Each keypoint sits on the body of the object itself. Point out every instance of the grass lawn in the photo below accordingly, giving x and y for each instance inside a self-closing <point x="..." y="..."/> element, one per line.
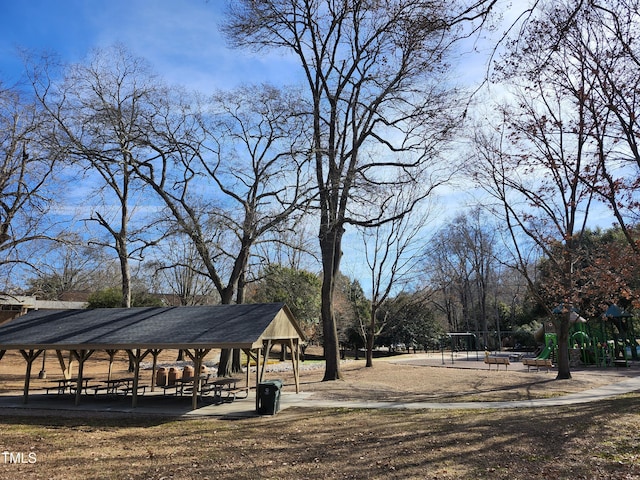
<point x="590" y="441"/>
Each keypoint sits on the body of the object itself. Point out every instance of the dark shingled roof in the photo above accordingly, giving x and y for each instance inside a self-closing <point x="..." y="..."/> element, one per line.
<point x="218" y="326"/>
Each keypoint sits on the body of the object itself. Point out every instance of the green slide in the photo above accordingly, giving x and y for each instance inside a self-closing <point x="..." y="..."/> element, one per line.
<point x="544" y="354"/>
<point x="550" y="340"/>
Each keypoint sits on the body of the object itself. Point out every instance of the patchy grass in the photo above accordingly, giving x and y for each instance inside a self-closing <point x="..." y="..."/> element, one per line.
<point x="600" y="440"/>
<point x="591" y="441"/>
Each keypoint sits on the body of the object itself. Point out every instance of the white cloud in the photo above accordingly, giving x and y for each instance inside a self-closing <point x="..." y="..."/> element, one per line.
<point x="183" y="44"/>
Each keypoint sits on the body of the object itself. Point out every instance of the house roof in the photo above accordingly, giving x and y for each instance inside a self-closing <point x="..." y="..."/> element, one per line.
<point x="217" y="326"/>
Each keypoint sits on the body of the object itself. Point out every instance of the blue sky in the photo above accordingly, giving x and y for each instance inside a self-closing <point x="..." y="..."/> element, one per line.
<point x="179" y="38"/>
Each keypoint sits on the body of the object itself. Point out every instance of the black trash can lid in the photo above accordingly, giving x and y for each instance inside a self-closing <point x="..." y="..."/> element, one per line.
<point x="272" y="383"/>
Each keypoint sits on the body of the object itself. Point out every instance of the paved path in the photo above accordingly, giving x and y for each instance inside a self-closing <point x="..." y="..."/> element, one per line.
<point x="593" y="395"/>
<point x="46" y="404"/>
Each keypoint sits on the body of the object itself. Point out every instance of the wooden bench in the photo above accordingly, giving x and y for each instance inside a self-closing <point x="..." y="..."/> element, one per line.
<point x="127" y="390"/>
<point x="620" y="363"/>
<point x="58" y="389"/>
<point x="232" y="393"/>
<point x="102" y="388"/>
<point x="537" y="362"/>
<point x="497" y="361"/>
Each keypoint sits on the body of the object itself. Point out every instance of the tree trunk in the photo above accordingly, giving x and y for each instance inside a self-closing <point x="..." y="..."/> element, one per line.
<point x="330" y="246"/>
<point x="330" y="338"/>
<point x="370" y="341"/>
<point x="564" y="372"/>
<point x="371" y="336"/>
<point x="224" y="365"/>
<point x="236" y="361"/>
<point x="126" y="280"/>
<point x="122" y="246"/>
<point x="230" y="359"/>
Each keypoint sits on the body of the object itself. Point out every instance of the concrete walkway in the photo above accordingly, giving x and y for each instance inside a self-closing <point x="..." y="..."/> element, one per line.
<point x="48" y="405"/>
<point x="593" y="395"/>
<point x="158" y="405"/>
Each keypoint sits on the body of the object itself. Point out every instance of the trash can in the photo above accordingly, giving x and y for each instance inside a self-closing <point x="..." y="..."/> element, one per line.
<point x="174" y="374"/>
<point x="269" y="397"/>
<point x="187" y="373"/>
<point x="161" y="377"/>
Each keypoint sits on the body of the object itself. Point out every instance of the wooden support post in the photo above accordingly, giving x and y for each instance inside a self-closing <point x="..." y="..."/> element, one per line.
<point x="265" y="360"/>
<point x="251" y="355"/>
<point x="258" y="378"/>
<point x="197" y="357"/>
<point x="112" y="354"/>
<point x="66" y="370"/>
<point x="154" y="369"/>
<point x="136" y="372"/>
<point x="247" y="352"/>
<point x="136" y="358"/>
<point x="2" y="352"/>
<point x="295" y="357"/>
<point x="197" y="362"/>
<point x="82" y="356"/>
<point x="29" y="357"/>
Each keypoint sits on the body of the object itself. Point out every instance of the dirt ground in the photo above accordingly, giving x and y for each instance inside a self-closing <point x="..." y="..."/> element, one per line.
<point x="599" y="440"/>
<point x="417" y="378"/>
<point x="405" y="377"/>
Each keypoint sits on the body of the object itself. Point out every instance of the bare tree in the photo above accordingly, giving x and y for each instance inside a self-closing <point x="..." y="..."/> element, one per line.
<point x="535" y="164"/>
<point x="228" y="173"/>
<point x="180" y="272"/>
<point x="391" y="255"/>
<point x="292" y="245"/>
<point x="373" y="72"/>
<point x="97" y="109"/>
<point x="460" y="262"/>
<point x="604" y="38"/>
<point x="599" y="37"/>
<point x="547" y="211"/>
<point x="579" y="62"/>
<point x="257" y="163"/>
<point x="69" y="267"/>
<point x="27" y="166"/>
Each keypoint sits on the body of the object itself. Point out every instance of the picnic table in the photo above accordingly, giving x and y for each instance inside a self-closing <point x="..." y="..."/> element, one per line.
<point x="185" y="385"/>
<point x="111" y="386"/>
<point x="220" y="389"/>
<point x="223" y="388"/>
<point x="61" y="386"/>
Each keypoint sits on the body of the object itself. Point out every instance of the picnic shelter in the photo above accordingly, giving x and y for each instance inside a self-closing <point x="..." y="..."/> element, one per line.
<point x="252" y="328"/>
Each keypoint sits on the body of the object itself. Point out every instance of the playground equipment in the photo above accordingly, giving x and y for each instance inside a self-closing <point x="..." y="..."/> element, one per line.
<point x="470" y="341"/>
<point x="606" y="341"/>
<point x="550" y="346"/>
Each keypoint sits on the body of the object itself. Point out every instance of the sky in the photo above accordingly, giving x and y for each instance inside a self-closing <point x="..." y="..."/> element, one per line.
<point x="179" y="38"/>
